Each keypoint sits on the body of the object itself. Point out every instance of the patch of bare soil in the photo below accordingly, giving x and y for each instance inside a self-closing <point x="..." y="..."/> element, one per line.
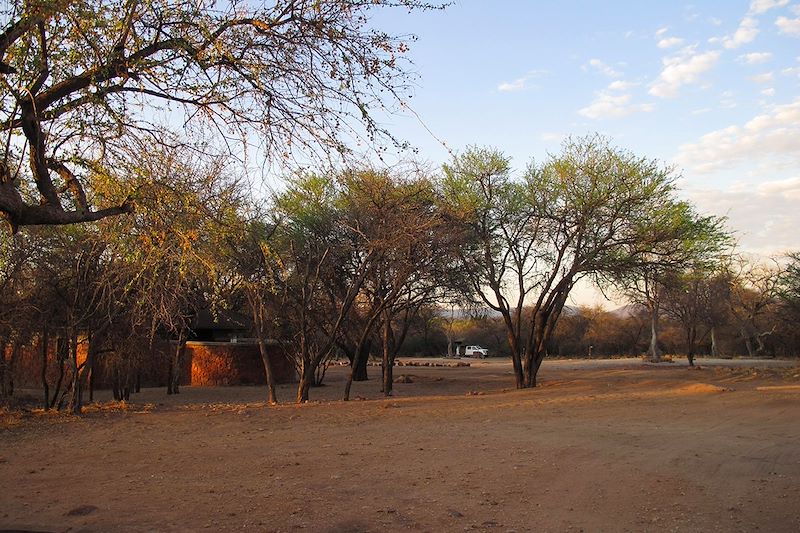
<point x="600" y="447"/>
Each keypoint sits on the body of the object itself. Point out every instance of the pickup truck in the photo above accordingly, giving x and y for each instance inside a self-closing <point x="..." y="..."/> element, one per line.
<point x="475" y="351"/>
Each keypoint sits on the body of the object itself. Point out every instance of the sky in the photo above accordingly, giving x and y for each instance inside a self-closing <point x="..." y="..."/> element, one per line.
<point x="710" y="87"/>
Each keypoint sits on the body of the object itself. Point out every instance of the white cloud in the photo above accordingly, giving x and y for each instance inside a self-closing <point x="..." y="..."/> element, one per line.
<point x="682" y="69"/>
<point x="755" y="58"/>
<point x="603" y="68"/>
<point x="787" y="25"/>
<point x="762" y="6"/>
<point x="771" y="139"/>
<point x="620" y="85"/>
<point x="768" y="92"/>
<point x="766" y="77"/>
<point x="520" y="84"/>
<point x="608" y="104"/>
<point x="511" y="86"/>
<point x="669" y="42"/>
<point x="745" y="33"/>
<point x="764" y="217"/>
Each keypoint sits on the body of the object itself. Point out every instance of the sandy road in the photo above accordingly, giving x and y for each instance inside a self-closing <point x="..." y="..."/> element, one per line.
<point x="617" y="448"/>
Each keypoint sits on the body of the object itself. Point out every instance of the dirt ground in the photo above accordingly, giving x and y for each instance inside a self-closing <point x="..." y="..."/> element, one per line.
<point x="614" y="445"/>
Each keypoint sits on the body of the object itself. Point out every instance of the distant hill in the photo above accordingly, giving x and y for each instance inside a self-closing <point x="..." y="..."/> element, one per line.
<point x="486" y="312"/>
<point x="629" y="311"/>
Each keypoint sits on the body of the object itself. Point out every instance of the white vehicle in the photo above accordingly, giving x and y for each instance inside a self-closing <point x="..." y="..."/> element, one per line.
<point x="476" y="351"/>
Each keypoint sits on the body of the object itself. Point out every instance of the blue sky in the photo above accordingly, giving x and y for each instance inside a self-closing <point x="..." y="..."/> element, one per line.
<point x="710" y="87"/>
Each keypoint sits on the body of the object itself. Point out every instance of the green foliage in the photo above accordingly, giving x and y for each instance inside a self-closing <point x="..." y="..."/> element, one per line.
<point x="592" y="210"/>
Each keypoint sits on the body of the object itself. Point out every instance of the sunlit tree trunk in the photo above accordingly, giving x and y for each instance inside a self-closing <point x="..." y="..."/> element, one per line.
<point x="715" y="352"/>
<point x="654" y="350"/>
<point x="306" y="379"/>
<point x="272" y="398"/>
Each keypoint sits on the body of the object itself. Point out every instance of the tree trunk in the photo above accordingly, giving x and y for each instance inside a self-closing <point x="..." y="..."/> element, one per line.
<point x="537" y="364"/>
<point x="714" y="343"/>
<point x="388" y="364"/>
<point x="7" y="366"/>
<point x="74" y="374"/>
<point x="272" y="398"/>
<point x="80" y="373"/>
<point x="450" y="344"/>
<point x="91" y="379"/>
<point x="361" y="362"/>
<point x="519" y="370"/>
<point x="516" y="356"/>
<point x="535" y="349"/>
<point x="175" y="365"/>
<point x="62" y="351"/>
<point x="654" y="350"/>
<point x="306" y="378"/>
<point x="116" y="385"/>
<point x="44" y="341"/>
<point x="748" y="342"/>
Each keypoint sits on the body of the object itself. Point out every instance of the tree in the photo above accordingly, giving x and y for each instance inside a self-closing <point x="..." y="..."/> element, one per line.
<point x="696" y="298"/>
<point x="788" y="308"/>
<point x="321" y="271"/>
<point x="167" y="255"/>
<point x="754" y="293"/>
<point x="688" y="242"/>
<point x="500" y="231"/>
<point x="60" y="294"/>
<point x="592" y="211"/>
<point x="18" y="293"/>
<point x="78" y="76"/>
<point x="253" y="272"/>
<point x="410" y="246"/>
<point x="789" y="286"/>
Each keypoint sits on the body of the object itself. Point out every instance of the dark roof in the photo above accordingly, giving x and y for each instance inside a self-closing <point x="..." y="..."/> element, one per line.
<point x="221" y="320"/>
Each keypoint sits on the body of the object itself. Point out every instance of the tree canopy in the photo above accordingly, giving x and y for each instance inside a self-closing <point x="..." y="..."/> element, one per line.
<point x="78" y="76"/>
<point x="593" y="211"/>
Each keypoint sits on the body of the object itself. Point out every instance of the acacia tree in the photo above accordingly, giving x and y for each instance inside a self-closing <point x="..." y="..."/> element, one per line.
<point x="167" y="254"/>
<point x="18" y="294"/>
<point x="683" y="301"/>
<point x="315" y="250"/>
<point x="788" y="293"/>
<point x="252" y="274"/>
<point x="592" y="211"/>
<point x="500" y="232"/>
<point x="410" y="244"/>
<point x="62" y="298"/>
<point x="78" y="75"/>
<point x="789" y="285"/>
<point x="754" y="294"/>
<point x="699" y="298"/>
<point x="690" y="243"/>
